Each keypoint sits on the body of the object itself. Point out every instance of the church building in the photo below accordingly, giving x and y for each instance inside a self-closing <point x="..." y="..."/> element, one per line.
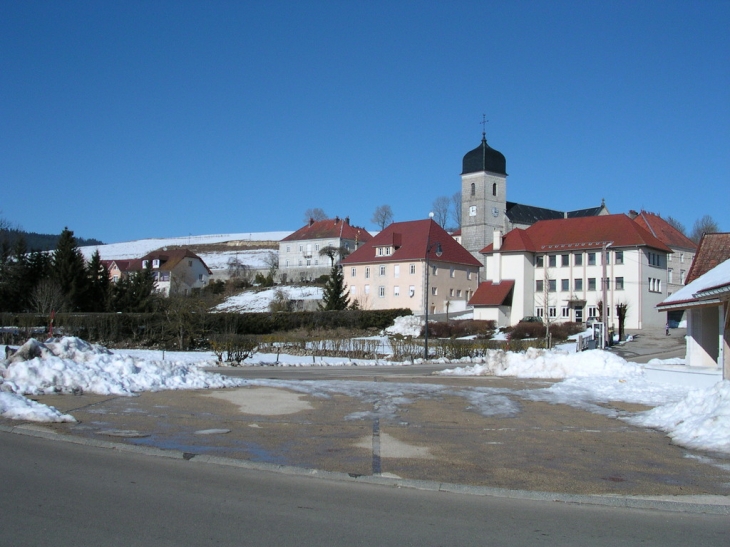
<point x="484" y="205"/>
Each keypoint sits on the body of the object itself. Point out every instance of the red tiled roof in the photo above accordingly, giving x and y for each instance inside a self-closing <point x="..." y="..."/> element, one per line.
<point x="410" y="241"/>
<point x="713" y="250"/>
<point x="665" y="232"/>
<point x="579" y="233"/>
<point x="330" y="228"/>
<point x="492" y="294"/>
<point x="170" y="259"/>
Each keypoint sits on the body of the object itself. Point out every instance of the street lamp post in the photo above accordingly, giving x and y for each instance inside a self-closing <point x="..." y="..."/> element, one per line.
<point x="439" y="252"/>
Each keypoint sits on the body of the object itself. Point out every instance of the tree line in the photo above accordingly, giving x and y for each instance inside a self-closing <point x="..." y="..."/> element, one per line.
<point x="63" y="281"/>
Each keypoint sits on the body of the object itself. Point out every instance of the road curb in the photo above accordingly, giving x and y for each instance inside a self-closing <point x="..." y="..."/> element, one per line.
<point x="714" y="505"/>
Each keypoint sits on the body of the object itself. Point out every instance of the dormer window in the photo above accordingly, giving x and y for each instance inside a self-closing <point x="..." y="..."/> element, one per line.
<point x="145" y="263"/>
<point x="156" y="263"/>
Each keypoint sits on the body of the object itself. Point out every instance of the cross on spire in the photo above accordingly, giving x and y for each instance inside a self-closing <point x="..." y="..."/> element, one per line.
<point x="484" y="126"/>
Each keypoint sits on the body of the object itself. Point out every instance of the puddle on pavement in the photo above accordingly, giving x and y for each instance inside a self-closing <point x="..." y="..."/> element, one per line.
<point x="263" y="401"/>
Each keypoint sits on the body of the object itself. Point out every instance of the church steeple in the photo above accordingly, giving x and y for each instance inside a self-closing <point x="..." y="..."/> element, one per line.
<point x="484" y="158"/>
<point x="483" y="196"/>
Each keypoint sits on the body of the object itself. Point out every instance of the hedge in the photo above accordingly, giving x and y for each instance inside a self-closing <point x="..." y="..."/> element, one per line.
<point x="163" y="329"/>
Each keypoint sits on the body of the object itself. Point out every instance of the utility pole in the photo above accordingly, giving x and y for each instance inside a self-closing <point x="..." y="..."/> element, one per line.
<point x="605" y="293"/>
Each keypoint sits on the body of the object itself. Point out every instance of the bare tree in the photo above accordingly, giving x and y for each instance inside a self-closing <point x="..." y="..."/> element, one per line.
<point x="47" y="296"/>
<point x="441" y="206"/>
<point x="456" y="208"/>
<point x="704" y="225"/>
<point x="674" y="223"/>
<point x="271" y="259"/>
<point x="382" y="216"/>
<point x="314" y="214"/>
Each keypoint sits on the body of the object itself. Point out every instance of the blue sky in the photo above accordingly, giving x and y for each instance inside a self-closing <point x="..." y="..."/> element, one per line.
<point x="128" y="120"/>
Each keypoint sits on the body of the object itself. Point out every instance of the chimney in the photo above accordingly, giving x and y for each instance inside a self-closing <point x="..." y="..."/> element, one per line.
<point x="347" y="220"/>
<point x="311" y="221"/>
<point x="497" y="257"/>
<point x="337" y="219"/>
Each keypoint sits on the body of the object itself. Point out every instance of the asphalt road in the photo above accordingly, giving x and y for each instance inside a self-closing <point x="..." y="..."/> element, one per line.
<point x="64" y="494"/>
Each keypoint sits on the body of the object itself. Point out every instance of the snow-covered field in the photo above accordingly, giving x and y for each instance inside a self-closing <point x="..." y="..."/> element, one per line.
<point x="140" y="247"/>
<point x="258" y="301"/>
<point x="693" y="418"/>
<point x="253" y="258"/>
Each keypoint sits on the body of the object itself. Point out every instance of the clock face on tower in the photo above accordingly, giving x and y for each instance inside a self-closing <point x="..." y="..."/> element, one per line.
<point x="495" y="212"/>
<point x="473" y="211"/>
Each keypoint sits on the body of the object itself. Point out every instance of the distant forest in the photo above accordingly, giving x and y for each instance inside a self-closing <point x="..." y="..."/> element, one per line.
<point x="38" y="242"/>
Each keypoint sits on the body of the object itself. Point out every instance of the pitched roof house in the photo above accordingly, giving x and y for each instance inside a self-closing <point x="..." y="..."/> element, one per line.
<point x="683" y="248"/>
<point x="554" y="269"/>
<point x="706" y="299"/>
<point x="177" y="271"/>
<point x="299" y="256"/>
<point x="390" y="270"/>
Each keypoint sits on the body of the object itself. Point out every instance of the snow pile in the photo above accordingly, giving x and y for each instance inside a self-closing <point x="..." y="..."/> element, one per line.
<point x="407" y="325"/>
<point x="556" y="364"/>
<point x="700" y="420"/>
<point x="70" y="365"/>
<point x="20" y="408"/>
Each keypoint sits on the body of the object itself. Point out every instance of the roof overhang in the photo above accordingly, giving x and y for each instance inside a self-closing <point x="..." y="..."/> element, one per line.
<point x="689" y="304"/>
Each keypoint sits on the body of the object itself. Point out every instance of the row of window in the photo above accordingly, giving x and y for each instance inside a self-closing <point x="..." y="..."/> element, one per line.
<point x="670" y="257"/>
<point x="564" y="259"/>
<point x="453" y="293"/>
<point x="308" y="262"/>
<point x="552" y="284"/>
<point x="382" y="271"/>
<point x="316" y="247"/>
<point x="473" y="189"/>
<point x="670" y="276"/>
<point x="655" y="285"/>
<point x="552" y="311"/>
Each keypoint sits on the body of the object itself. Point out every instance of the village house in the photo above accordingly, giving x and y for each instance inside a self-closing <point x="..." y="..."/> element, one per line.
<point x="555" y="269"/>
<point x="299" y="253"/>
<point x="177" y="271"/>
<point x="408" y="261"/>
<point x="706" y="299"/>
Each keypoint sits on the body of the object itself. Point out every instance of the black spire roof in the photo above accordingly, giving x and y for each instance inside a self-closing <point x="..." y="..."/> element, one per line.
<point x="484" y="158"/>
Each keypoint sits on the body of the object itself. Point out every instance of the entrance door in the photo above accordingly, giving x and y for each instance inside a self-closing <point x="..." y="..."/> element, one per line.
<point x="578" y="314"/>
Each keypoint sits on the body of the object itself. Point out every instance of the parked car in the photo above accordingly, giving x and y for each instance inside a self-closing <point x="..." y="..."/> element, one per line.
<point x="531" y="319"/>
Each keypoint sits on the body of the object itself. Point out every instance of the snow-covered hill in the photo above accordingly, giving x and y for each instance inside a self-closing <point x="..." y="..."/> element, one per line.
<point x="140" y="247"/>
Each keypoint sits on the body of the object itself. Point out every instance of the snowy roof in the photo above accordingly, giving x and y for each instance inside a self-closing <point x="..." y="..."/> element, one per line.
<point x="716" y="281"/>
<point x="713" y="250"/>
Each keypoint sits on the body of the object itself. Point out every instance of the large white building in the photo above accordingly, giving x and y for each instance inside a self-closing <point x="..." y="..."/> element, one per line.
<point x="299" y="253"/>
<point x="562" y="269"/>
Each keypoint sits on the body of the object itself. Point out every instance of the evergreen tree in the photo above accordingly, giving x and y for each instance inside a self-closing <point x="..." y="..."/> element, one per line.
<point x="99" y="285"/>
<point x="135" y="293"/>
<point x="335" y="295"/>
<point x="69" y="270"/>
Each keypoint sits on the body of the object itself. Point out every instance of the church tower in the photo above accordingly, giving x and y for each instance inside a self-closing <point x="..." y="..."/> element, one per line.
<point x="483" y="197"/>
